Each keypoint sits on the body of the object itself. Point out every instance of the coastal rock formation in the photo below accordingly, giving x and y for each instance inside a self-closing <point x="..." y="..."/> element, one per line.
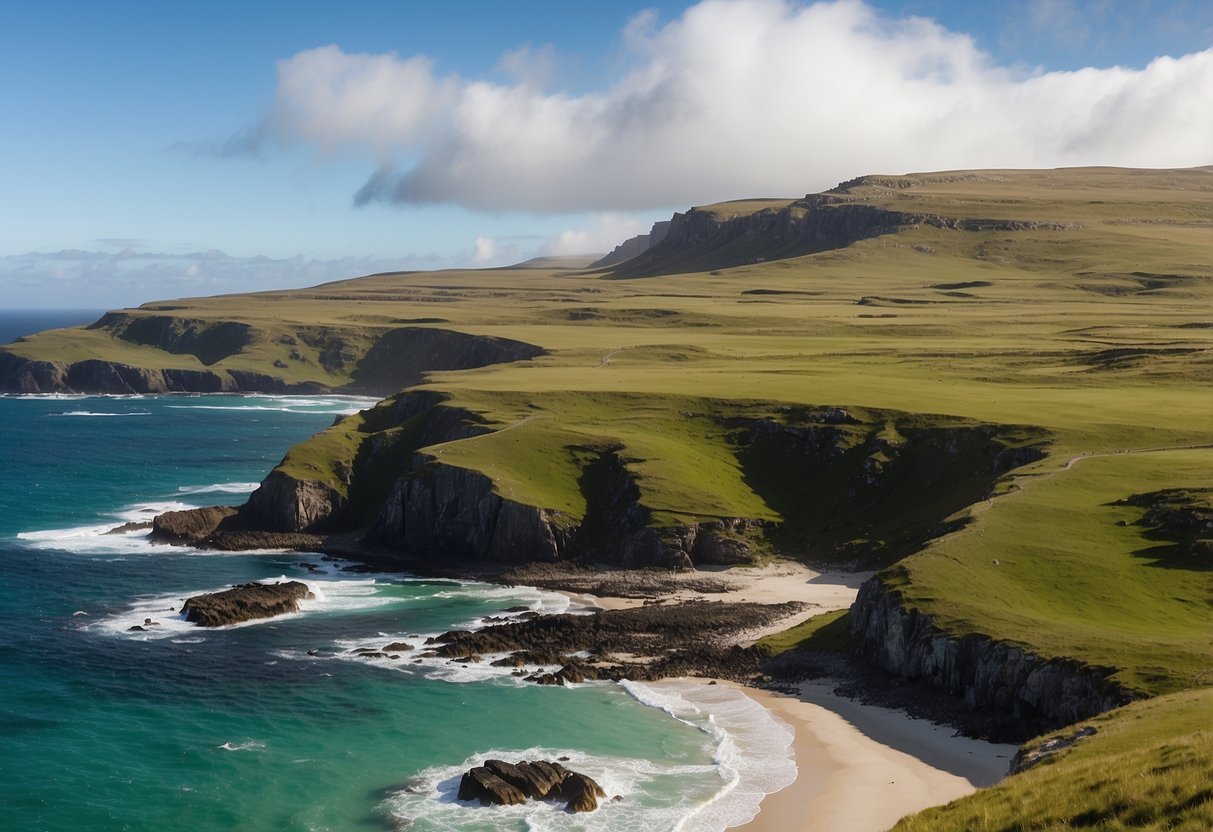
<point x="191" y="526"/>
<point x="634" y="246"/>
<point x="380" y="362"/>
<point x="455" y="512"/>
<point x="499" y="783"/>
<point x="658" y="641"/>
<point x="1041" y="693"/>
<point x="245" y="602"/>
<point x="285" y="504"/>
<point x="702" y="239"/>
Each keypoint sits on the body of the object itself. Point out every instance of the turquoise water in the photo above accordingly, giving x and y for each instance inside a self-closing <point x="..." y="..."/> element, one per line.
<point x="277" y="724"/>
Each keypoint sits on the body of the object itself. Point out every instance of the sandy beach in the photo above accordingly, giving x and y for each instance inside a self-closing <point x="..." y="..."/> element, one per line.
<point x="860" y="767"/>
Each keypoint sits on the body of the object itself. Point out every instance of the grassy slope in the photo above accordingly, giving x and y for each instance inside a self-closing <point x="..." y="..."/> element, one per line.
<point x="1100" y="331"/>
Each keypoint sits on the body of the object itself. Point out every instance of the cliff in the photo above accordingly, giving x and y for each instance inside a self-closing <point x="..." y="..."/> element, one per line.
<point x="702" y="239"/>
<point x="855" y="491"/>
<point x="298" y="359"/>
<point x="634" y="246"/>
<point x="1041" y="693"/>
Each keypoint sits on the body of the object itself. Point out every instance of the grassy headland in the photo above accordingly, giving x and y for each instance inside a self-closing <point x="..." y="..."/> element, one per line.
<point x="1067" y="310"/>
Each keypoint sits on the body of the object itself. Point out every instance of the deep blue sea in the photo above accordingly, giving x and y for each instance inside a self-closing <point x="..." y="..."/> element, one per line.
<point x="279" y="725"/>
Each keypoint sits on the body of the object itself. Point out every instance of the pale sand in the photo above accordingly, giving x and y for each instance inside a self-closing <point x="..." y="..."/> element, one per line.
<point x="861" y="768"/>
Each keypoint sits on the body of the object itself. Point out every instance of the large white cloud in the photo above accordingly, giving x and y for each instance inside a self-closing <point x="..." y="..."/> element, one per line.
<point x="751" y="98"/>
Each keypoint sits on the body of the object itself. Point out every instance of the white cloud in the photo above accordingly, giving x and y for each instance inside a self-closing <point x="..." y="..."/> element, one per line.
<point x="736" y="99"/>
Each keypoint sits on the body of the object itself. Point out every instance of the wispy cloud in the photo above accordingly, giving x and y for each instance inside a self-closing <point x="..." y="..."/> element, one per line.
<point x="764" y="97"/>
<point x="127" y="277"/>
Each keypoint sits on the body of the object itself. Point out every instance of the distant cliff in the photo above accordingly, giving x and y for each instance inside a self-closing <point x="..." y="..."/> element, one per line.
<point x="634" y="246"/>
<point x="702" y="239"/>
<point x="352" y="360"/>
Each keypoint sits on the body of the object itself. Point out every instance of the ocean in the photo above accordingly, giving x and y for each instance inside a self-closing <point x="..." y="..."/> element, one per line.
<point x="279" y="724"/>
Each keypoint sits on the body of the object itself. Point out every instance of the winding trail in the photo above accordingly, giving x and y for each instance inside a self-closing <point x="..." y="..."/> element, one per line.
<point x="988" y="502"/>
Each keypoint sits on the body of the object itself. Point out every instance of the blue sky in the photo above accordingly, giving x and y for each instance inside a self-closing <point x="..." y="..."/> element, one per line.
<point x="156" y="150"/>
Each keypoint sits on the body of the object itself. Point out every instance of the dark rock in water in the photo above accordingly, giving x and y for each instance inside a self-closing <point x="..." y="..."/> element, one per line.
<point x="398" y="647"/>
<point x="504" y="784"/>
<point x="136" y="629"/>
<point x="481" y="784"/>
<point x="518" y="608"/>
<point x="191" y="526"/>
<point x="130" y="527"/>
<point x="245" y="603"/>
<point x="581" y="792"/>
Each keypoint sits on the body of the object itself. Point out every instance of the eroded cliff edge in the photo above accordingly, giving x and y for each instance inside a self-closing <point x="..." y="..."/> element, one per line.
<point x="172" y="354"/>
<point x="1039" y="693"/>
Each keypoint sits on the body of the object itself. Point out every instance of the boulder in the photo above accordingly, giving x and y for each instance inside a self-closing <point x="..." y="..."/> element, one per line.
<point x="245" y="603"/>
<point x="581" y="792"/>
<point x="481" y="784"/>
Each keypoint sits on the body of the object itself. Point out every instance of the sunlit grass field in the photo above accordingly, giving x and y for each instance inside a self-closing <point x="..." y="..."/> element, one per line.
<point x="1090" y="322"/>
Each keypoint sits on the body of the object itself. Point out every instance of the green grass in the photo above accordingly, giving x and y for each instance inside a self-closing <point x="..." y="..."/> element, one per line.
<point x="829" y="632"/>
<point x="1092" y="333"/>
<point x="1149" y="768"/>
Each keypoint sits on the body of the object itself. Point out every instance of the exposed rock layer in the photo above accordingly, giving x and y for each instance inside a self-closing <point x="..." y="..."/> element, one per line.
<point x="989" y="675"/>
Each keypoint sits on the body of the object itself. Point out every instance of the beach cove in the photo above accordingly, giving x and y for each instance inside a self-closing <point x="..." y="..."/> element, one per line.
<point x="255" y="718"/>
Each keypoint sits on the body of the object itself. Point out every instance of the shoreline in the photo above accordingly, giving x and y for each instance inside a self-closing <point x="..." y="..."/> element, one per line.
<point x="860" y="768"/>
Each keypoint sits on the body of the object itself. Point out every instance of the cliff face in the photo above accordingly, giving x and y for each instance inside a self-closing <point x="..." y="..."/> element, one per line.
<point x="634" y="246"/>
<point x="850" y="492"/>
<point x="1041" y="693"/>
<point x="376" y="362"/>
<point x="441" y="511"/>
<point x="701" y="239"/>
<point x="95" y="375"/>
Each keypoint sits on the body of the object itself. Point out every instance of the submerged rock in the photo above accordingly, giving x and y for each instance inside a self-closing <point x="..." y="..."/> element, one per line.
<point x="245" y="603"/>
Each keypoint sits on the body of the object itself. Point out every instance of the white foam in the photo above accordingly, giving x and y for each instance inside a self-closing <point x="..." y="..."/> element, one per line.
<point x="247" y="745"/>
<point x="220" y="488"/>
<point x="432" y="795"/>
<point x="96" y="413"/>
<point x="754" y="755"/>
<point x="169" y="622"/>
<point x="101" y="539"/>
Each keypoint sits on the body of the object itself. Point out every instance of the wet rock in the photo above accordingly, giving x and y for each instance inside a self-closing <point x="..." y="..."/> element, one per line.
<point x="581" y="792"/>
<point x="245" y="602"/>
<point x="481" y="784"/>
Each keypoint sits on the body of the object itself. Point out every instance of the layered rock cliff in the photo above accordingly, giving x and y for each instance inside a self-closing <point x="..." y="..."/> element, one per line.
<point x="704" y="238"/>
<point x="312" y="359"/>
<point x="1041" y="693"/>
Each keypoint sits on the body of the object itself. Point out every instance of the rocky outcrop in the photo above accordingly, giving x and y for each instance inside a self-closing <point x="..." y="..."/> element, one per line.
<point x="447" y="511"/>
<point x="634" y="246"/>
<point x="191" y="526"/>
<point x="1042" y="693"/>
<point x="702" y="239"/>
<point x="245" y="602"/>
<point x="285" y="504"/>
<point x="95" y="375"/>
<point x="498" y="783"/>
<point x="657" y="641"/>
